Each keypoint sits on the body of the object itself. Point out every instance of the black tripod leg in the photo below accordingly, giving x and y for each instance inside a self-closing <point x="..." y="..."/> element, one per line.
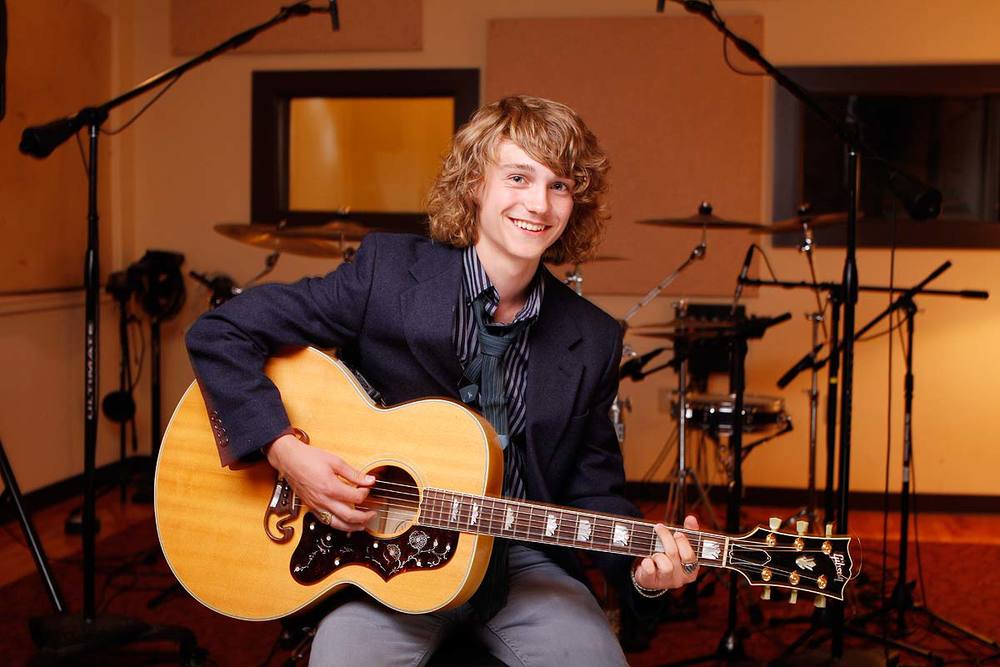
<point x="13" y="492"/>
<point x="971" y="634"/>
<point x="888" y="641"/>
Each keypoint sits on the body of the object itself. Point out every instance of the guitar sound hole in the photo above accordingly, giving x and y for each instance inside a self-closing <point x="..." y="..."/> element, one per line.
<point x="395" y="499"/>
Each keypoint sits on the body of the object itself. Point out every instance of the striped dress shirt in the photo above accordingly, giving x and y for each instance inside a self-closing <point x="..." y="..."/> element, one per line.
<point x="515" y="361"/>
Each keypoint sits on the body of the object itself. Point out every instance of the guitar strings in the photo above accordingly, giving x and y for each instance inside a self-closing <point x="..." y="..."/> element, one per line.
<point x="646" y="540"/>
<point x="641" y="530"/>
<point x="642" y="525"/>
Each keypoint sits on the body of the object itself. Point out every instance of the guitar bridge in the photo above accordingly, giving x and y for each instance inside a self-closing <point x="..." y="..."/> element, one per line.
<point x="285" y="509"/>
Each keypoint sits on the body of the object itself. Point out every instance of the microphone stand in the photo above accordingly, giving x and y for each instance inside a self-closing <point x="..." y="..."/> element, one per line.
<point x="848" y="133"/>
<point x="65" y="635"/>
<point x="822" y="619"/>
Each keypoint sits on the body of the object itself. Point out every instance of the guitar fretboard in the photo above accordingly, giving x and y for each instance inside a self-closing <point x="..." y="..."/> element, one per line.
<point x="547" y="524"/>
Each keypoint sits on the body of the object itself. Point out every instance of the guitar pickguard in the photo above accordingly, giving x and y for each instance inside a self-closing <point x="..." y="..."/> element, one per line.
<point x="323" y="550"/>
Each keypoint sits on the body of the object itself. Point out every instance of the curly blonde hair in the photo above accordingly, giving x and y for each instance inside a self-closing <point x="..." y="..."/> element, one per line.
<point x="551" y="133"/>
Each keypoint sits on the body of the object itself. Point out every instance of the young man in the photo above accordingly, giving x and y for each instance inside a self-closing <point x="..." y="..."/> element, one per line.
<point x="525" y="180"/>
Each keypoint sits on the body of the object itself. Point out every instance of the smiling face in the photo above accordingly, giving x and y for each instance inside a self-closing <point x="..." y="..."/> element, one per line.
<point x="523" y="207"/>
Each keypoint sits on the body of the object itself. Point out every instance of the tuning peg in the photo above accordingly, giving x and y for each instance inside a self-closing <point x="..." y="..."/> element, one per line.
<point x="766" y="595"/>
<point x="820" y="602"/>
<point x="794" y="597"/>
<point x="801" y="527"/>
<point x="774" y="522"/>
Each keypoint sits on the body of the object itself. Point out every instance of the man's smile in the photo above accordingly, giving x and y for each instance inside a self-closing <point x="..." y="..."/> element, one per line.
<point x="528" y="226"/>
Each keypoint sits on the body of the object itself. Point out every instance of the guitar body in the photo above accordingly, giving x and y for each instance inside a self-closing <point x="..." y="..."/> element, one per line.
<point x="213" y="525"/>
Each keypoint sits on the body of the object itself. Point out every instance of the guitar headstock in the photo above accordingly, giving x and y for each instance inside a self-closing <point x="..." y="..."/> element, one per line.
<point x="801" y="563"/>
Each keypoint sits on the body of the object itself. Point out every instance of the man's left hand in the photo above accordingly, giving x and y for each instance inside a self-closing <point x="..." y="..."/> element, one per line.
<point x="663" y="570"/>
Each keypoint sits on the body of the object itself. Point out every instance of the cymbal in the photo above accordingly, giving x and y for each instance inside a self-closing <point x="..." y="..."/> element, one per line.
<point x="687" y="334"/>
<point x="703" y="220"/>
<point x="795" y="224"/>
<point x="328" y="240"/>
<point x="599" y="258"/>
<point x="690" y="325"/>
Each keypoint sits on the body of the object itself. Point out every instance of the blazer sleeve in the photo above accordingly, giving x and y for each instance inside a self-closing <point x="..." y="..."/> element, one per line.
<point x="229" y="346"/>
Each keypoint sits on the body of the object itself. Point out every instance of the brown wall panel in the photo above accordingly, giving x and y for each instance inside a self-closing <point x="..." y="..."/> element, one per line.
<point x="365" y="25"/>
<point x="678" y="125"/>
<point x="59" y="61"/>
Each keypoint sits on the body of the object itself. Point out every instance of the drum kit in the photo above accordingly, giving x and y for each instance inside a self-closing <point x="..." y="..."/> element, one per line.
<point x="700" y="336"/>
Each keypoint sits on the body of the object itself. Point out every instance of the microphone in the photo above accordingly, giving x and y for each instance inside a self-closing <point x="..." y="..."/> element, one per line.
<point x="633" y="367"/>
<point x="698" y="7"/>
<point x="803" y="363"/>
<point x="334" y="16"/>
<point x="39" y="141"/>
<point x="739" y="281"/>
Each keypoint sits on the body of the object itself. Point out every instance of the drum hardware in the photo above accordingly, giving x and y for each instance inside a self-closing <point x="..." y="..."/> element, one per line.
<point x="160" y="290"/>
<point x="804" y="218"/>
<point x="119" y="406"/>
<point x="678" y="490"/>
<point x="619" y="407"/>
<point x="574" y="277"/>
<point x="222" y="286"/>
<point x="715" y="414"/>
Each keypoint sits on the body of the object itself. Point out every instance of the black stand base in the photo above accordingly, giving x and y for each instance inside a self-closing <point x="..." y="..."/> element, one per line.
<point x="74" y="523"/>
<point x="850" y="658"/>
<point x="729" y="651"/>
<point x="65" y="636"/>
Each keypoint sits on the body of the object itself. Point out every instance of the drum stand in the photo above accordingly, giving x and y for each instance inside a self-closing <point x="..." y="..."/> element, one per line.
<point x="677" y="494"/>
<point x="730" y="647"/>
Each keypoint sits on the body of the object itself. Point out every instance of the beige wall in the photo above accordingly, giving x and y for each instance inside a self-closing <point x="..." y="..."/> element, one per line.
<point x="185" y="166"/>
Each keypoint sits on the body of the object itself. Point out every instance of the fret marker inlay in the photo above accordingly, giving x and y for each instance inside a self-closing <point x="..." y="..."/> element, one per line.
<point x="711" y="550"/>
<point x="550" y="525"/>
<point x="475" y="515"/>
<point x="583" y="530"/>
<point x="508" y="520"/>
<point x="621" y="535"/>
<point x="454" y="509"/>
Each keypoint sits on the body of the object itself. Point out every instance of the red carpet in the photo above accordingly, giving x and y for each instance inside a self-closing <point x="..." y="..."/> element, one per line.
<point x="962" y="584"/>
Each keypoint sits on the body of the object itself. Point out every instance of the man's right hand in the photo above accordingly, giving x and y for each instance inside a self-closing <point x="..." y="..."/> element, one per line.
<point x="323" y="481"/>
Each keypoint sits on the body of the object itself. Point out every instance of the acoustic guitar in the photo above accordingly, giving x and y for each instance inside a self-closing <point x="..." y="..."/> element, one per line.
<point x="242" y="544"/>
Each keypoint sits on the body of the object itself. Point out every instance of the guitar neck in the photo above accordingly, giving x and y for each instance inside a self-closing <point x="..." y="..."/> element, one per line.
<point x="550" y="524"/>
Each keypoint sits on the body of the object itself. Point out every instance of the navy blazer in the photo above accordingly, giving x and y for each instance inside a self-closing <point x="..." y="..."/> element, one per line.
<point x="391" y="313"/>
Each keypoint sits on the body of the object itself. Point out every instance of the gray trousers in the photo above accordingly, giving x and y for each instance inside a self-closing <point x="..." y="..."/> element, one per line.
<point x="550" y="619"/>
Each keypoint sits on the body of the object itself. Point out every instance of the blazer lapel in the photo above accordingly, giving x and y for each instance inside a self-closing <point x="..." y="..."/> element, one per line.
<point x="553" y="374"/>
<point x="428" y="309"/>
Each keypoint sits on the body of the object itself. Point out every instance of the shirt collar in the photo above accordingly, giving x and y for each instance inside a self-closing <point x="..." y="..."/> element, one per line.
<point x="476" y="282"/>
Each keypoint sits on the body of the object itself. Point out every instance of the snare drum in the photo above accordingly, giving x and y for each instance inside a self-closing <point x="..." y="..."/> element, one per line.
<point x="714" y="412"/>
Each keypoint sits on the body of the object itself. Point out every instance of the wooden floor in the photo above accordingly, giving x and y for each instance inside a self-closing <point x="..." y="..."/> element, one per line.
<point x="16" y="561"/>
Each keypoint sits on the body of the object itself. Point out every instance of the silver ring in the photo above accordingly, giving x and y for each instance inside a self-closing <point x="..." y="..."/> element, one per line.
<point x="324" y="517"/>
<point x="689" y="568"/>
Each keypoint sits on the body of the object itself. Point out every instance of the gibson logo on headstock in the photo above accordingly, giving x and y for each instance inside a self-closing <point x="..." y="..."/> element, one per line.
<point x="838" y="563"/>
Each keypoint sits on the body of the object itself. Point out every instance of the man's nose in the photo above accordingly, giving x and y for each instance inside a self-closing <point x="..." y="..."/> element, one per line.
<point x="537" y="199"/>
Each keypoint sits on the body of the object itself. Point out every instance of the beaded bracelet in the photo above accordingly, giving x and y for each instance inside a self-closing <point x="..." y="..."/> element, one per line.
<point x="647" y="592"/>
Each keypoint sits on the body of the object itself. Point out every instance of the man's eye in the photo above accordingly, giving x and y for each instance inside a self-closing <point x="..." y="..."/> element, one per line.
<point x="517" y="178"/>
<point x="562" y="187"/>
